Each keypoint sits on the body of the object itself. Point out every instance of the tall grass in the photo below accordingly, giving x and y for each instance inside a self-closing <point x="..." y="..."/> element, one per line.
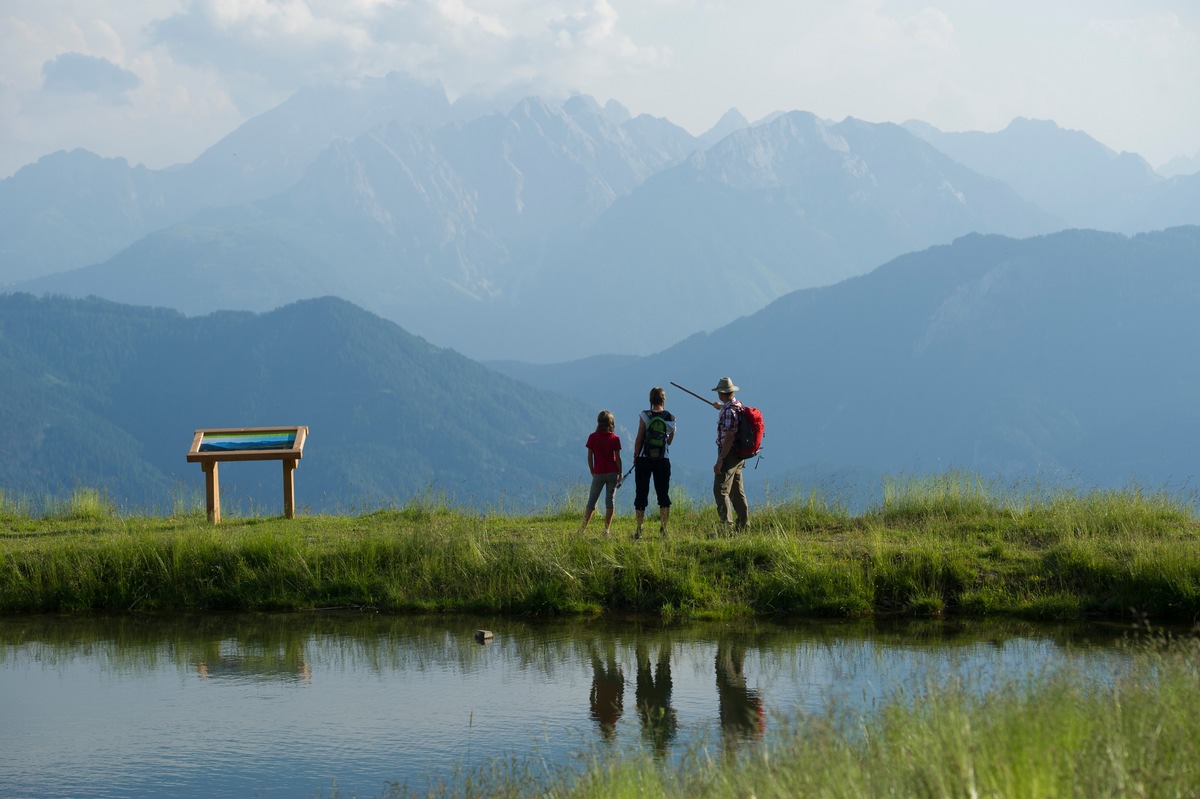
<point x="947" y="544"/>
<point x="1057" y="735"/>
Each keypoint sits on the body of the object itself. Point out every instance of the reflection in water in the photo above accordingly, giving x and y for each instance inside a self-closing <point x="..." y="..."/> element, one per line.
<point x="608" y="691"/>
<point x="233" y="658"/>
<point x="740" y="708"/>
<point x="658" y="718"/>
<point x="108" y="706"/>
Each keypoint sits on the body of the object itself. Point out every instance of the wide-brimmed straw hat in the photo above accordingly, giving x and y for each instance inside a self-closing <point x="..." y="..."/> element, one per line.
<point x="725" y="386"/>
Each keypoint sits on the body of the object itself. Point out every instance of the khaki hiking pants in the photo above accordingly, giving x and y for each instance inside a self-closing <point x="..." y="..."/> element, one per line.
<point x="728" y="490"/>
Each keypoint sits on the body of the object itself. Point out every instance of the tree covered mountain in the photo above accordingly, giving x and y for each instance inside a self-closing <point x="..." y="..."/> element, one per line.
<point x="106" y="396"/>
<point x="1058" y="358"/>
<point x="1065" y="357"/>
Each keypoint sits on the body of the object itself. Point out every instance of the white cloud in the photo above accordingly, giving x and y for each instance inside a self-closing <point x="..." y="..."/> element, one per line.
<point x="75" y="73"/>
<point x="189" y="71"/>
<point x="1157" y="34"/>
<point x="464" y="43"/>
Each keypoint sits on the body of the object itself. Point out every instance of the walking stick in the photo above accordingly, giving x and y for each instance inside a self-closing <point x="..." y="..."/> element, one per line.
<point x="694" y="394"/>
<point x="715" y="405"/>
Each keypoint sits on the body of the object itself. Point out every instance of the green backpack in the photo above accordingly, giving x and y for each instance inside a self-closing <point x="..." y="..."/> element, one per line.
<point x="658" y="432"/>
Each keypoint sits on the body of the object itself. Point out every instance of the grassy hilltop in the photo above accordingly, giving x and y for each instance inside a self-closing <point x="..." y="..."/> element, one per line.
<point x="949" y="544"/>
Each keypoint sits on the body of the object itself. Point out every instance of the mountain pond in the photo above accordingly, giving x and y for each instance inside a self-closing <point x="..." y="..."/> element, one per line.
<point x="353" y="703"/>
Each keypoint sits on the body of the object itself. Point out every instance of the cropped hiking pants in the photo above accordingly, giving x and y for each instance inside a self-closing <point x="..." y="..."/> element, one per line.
<point x="643" y="470"/>
<point x="607" y="483"/>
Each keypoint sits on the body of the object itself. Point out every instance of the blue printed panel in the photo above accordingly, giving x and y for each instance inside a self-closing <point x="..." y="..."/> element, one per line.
<point x="258" y="440"/>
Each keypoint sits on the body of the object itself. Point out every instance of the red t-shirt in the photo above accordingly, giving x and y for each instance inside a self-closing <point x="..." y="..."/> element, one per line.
<point x="604" y="447"/>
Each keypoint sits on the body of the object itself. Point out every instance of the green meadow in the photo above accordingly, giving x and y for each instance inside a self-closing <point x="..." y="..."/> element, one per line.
<point x="947" y="545"/>
<point x="951" y="544"/>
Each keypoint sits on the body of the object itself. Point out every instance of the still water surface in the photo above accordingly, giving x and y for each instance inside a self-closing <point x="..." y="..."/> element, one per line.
<point x="292" y="705"/>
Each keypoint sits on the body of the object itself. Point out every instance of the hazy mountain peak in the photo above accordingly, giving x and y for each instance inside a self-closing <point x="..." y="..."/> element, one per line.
<point x="582" y="104"/>
<point x="921" y="129"/>
<point x="616" y="113"/>
<point x="1032" y="123"/>
<point x="481" y="103"/>
<point x="1180" y="165"/>
<point x="732" y="120"/>
<point x="535" y="107"/>
<point x="768" y="119"/>
<point x="1024" y="130"/>
<point x="773" y="154"/>
<point x="269" y="152"/>
<point x="65" y="162"/>
<point x="1065" y="172"/>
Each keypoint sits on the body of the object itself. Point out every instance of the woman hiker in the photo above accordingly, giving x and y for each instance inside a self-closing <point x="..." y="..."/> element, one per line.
<point x="656" y="431"/>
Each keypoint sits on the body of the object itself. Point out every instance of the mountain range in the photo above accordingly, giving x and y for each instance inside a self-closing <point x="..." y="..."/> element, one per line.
<point x="447" y="293"/>
<point x="1064" y="359"/>
<point x="1059" y="359"/>
<point x="106" y="396"/>
<point x="547" y="231"/>
<point x="1085" y="183"/>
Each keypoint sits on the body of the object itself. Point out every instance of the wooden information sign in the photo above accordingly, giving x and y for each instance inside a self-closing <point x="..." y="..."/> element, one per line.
<point x="211" y="446"/>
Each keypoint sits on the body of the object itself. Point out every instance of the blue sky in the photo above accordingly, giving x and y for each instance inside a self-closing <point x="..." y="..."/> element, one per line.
<point x="157" y="82"/>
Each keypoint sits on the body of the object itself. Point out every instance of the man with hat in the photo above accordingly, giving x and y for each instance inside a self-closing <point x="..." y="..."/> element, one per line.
<point x="727" y="472"/>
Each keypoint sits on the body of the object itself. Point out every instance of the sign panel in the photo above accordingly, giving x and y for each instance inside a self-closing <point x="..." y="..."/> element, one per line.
<point x="211" y="446"/>
<point x="267" y="439"/>
<point x="248" y="444"/>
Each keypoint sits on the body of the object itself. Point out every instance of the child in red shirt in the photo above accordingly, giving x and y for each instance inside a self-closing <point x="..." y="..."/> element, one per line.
<point x="604" y="462"/>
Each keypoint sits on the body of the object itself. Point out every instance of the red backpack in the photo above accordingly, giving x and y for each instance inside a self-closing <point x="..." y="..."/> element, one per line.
<point x="749" y="432"/>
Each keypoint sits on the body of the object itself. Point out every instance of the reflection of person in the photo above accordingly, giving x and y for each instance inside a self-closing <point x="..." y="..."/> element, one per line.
<point x="656" y="431"/>
<point x="654" y="709"/>
<point x="739" y="708"/>
<point x="604" y="463"/>
<point x="607" y="698"/>
<point x="727" y="472"/>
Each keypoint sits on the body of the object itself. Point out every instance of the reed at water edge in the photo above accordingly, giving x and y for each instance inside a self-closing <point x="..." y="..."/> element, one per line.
<point x="951" y="544"/>
<point x="1058" y="735"/>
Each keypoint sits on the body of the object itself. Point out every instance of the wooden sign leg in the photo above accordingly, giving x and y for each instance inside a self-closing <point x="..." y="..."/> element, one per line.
<point x="289" y="489"/>
<point x="212" y="491"/>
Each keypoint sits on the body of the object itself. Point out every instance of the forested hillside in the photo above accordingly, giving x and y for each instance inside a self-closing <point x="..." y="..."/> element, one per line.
<point x="106" y="396"/>
<point x="1067" y="357"/>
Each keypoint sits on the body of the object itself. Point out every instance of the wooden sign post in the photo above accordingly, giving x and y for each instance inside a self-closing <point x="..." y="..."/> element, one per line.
<point x="213" y="445"/>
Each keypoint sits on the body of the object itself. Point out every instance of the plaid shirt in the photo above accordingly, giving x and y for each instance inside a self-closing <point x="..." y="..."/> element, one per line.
<point x="727" y="422"/>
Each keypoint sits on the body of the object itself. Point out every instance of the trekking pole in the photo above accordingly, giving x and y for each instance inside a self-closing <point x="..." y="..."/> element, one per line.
<point x="622" y="478"/>
<point x="693" y="393"/>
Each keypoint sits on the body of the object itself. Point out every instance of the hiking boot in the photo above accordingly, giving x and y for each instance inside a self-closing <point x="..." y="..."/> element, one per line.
<point x="637" y="533"/>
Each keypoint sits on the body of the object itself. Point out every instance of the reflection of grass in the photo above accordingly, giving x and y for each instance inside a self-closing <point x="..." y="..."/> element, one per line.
<point x="1056" y="735"/>
<point x="950" y="544"/>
